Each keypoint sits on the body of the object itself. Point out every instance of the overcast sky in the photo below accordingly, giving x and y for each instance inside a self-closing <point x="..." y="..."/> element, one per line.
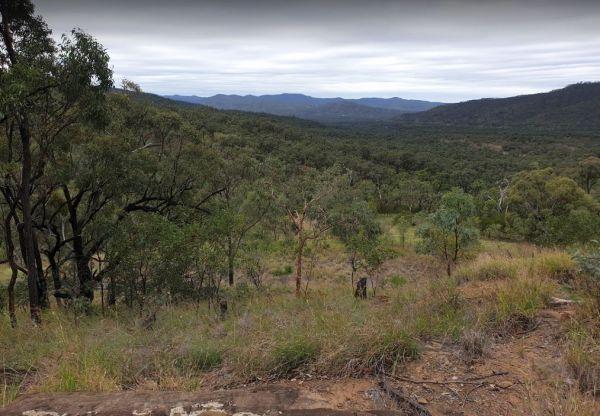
<point x="434" y="50"/>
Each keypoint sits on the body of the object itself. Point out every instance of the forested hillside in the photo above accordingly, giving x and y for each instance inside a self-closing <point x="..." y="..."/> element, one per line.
<point x="150" y="244"/>
<point x="573" y="108"/>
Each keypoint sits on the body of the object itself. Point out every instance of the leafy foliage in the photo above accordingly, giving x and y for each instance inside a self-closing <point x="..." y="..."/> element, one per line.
<point x="450" y="231"/>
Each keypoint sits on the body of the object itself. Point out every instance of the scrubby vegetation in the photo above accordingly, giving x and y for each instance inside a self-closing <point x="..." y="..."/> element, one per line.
<point x="270" y="333"/>
<point x="150" y="244"/>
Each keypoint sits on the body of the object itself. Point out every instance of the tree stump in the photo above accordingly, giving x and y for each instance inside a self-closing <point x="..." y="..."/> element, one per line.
<point x="361" y="288"/>
<point x="223" y="308"/>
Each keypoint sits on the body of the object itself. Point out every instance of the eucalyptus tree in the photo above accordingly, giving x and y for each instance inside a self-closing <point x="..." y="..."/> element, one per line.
<point x="355" y="224"/>
<point x="45" y="90"/>
<point x="548" y="208"/>
<point x="147" y="160"/>
<point x="308" y="199"/>
<point x="589" y="172"/>
<point x="240" y="204"/>
<point x="451" y="230"/>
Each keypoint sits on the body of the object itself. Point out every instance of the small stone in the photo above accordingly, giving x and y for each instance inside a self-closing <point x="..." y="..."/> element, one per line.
<point x="504" y="384"/>
<point x="212" y="405"/>
<point x="422" y="401"/>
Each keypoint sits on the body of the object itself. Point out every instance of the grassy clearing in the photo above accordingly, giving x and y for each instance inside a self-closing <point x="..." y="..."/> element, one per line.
<point x="552" y="264"/>
<point x="513" y="306"/>
<point x="271" y="334"/>
<point x="265" y="336"/>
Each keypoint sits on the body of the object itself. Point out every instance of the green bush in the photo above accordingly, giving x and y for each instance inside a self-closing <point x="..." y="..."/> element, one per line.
<point x="583" y="357"/>
<point x="293" y="354"/>
<point x="200" y="358"/>
<point x="283" y="271"/>
<point x="488" y="269"/>
<point x="392" y="348"/>
<point x="514" y="306"/>
<point x="397" y="281"/>
<point x="558" y="266"/>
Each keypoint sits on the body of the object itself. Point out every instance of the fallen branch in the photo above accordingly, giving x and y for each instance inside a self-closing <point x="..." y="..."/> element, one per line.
<point x="410" y="380"/>
<point x="535" y="326"/>
<point x="464" y="401"/>
<point x="492" y="374"/>
<point x="415" y="408"/>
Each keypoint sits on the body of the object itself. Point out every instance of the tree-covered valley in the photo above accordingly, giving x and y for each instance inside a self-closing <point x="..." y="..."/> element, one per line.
<point x="151" y="244"/>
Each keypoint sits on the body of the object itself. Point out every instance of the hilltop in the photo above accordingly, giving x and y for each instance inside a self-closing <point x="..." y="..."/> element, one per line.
<point x="575" y="107"/>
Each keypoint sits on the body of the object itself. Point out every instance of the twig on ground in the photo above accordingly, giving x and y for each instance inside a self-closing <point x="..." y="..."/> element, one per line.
<point x="415" y="408"/>
<point x="492" y="374"/>
<point x="410" y="380"/>
<point x="464" y="401"/>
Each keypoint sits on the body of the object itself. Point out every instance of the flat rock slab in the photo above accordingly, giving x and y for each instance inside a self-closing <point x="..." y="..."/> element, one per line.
<point x="248" y="402"/>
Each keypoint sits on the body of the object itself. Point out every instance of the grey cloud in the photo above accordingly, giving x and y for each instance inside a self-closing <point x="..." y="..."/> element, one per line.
<point x="443" y="50"/>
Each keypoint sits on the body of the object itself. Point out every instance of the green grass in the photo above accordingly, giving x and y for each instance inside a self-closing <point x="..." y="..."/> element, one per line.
<point x="556" y="265"/>
<point x="283" y="271"/>
<point x="489" y="269"/>
<point x="200" y="357"/>
<point x="513" y="306"/>
<point x="270" y="333"/>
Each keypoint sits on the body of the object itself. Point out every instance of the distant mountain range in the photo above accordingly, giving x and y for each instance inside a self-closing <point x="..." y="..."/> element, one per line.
<point x="311" y="108"/>
<point x="575" y="107"/>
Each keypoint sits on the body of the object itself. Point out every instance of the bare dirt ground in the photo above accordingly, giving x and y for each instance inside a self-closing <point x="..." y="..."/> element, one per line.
<point x="509" y="379"/>
<point x="518" y="375"/>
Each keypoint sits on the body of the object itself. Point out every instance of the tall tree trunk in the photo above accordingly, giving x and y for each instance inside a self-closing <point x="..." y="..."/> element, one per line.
<point x="14" y="271"/>
<point x="42" y="283"/>
<point x="82" y="260"/>
<point x="112" y="292"/>
<point x="299" y="255"/>
<point x="84" y="276"/>
<point x="353" y="266"/>
<point x="28" y="233"/>
<point x="24" y="132"/>
<point x="230" y="269"/>
<point x="55" y="272"/>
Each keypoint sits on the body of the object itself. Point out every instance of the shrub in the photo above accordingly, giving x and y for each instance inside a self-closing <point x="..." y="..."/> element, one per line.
<point x="391" y="348"/>
<point x="514" y="305"/>
<point x="397" y="281"/>
<point x="292" y="354"/>
<point x="589" y="280"/>
<point x="556" y="265"/>
<point x="200" y="358"/>
<point x="584" y="359"/>
<point x="283" y="271"/>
